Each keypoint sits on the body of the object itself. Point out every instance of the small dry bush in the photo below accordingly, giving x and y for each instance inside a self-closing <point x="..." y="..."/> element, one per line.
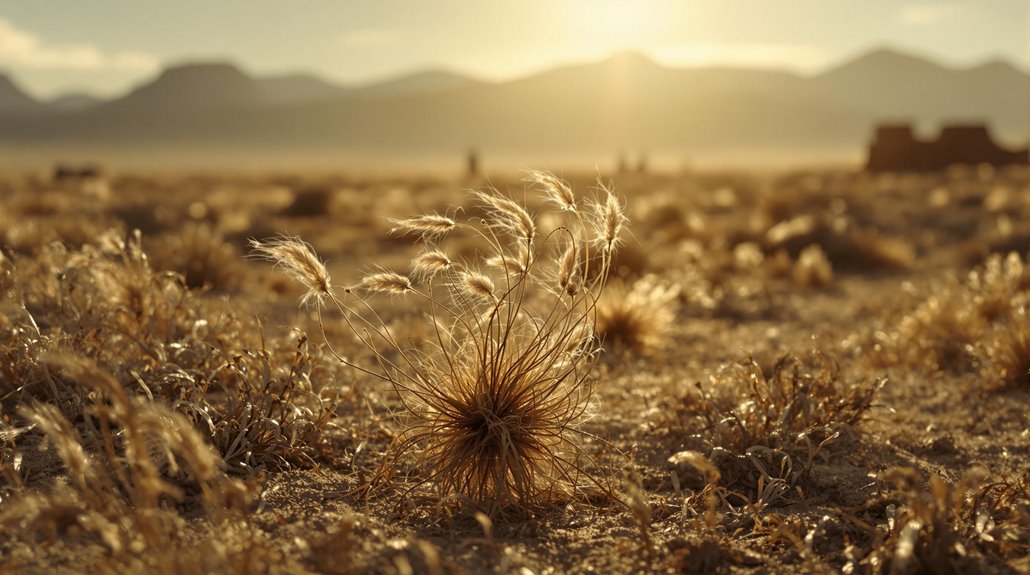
<point x="124" y="476"/>
<point x="201" y="254"/>
<point x="159" y="339"/>
<point x="494" y="399"/>
<point x="309" y="202"/>
<point x="151" y="398"/>
<point x="637" y="318"/>
<point x="973" y="526"/>
<point x="1009" y="351"/>
<point x="846" y="246"/>
<point x="767" y="429"/>
<point x="962" y="324"/>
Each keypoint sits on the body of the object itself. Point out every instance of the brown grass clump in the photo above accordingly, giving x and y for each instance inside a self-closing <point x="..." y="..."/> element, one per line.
<point x="309" y="202"/>
<point x="769" y="427"/>
<point x="951" y="527"/>
<point x="960" y="323"/>
<point x="637" y="318"/>
<point x="201" y="255"/>
<point x="494" y="399"/>
<point x="1010" y="350"/>
<point x="156" y="337"/>
<point x="125" y="475"/>
<point x="940" y="333"/>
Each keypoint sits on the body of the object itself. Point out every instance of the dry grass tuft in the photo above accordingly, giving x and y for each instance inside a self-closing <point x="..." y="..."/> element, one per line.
<point x="158" y="338"/>
<point x="961" y="324"/>
<point x="1010" y="350"/>
<point x="201" y="255"/>
<point x="494" y="399"/>
<point x="767" y="429"/>
<point x="637" y="318"/>
<point x="948" y="527"/>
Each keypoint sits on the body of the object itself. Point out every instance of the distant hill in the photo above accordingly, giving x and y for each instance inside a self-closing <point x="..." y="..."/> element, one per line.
<point x="15" y="102"/>
<point x="426" y="82"/>
<point x="73" y="102"/>
<point x="592" y="110"/>
<point x="887" y="83"/>
<point x="296" y="89"/>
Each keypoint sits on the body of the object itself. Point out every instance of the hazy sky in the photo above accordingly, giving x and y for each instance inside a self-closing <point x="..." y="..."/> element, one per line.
<point x="107" y="46"/>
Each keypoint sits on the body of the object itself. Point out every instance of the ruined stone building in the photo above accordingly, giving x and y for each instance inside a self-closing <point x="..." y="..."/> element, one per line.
<point x="896" y="148"/>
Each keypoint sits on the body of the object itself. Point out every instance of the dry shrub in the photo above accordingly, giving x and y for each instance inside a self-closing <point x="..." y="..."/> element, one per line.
<point x="309" y="202"/>
<point x="201" y="255"/>
<point x="637" y="318"/>
<point x="767" y="429"/>
<point x="847" y="246"/>
<point x="138" y="460"/>
<point x="939" y="333"/>
<point x="493" y="401"/>
<point x="1010" y="350"/>
<point x="160" y="340"/>
<point x="973" y="526"/>
<point x="959" y="324"/>
<point x="996" y="288"/>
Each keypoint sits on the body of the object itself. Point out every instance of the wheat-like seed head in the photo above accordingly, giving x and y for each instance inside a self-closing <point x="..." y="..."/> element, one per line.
<point x="65" y="439"/>
<point x="429" y="263"/>
<point x="609" y="221"/>
<point x="297" y="259"/>
<point x="557" y="190"/>
<point x="428" y="226"/>
<point x="509" y="216"/>
<point x="568" y="266"/>
<point x="477" y="284"/>
<point x="387" y="282"/>
<point x="513" y="265"/>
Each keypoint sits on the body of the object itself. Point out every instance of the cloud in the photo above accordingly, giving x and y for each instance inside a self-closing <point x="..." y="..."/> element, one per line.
<point x="370" y="38"/>
<point x="927" y="13"/>
<point x="21" y="49"/>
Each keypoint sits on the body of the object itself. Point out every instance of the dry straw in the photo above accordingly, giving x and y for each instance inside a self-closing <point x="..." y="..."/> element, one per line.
<point x="493" y="403"/>
<point x="297" y="259"/>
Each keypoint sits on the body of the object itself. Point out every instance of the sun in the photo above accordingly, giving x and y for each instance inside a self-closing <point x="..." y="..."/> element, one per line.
<point x="600" y="27"/>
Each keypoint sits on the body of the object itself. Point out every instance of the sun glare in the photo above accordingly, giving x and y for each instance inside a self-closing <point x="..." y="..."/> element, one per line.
<point x="600" y="28"/>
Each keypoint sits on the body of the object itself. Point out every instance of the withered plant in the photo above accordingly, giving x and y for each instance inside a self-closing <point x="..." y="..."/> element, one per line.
<point x="494" y="399"/>
<point x="255" y="402"/>
<point x="767" y="429"/>
<point x="637" y="318"/>
<point x="939" y="526"/>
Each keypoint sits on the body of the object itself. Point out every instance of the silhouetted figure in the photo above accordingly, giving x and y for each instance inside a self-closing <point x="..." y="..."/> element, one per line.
<point x="895" y="148"/>
<point x="642" y="163"/>
<point x="472" y="163"/>
<point x="621" y="163"/>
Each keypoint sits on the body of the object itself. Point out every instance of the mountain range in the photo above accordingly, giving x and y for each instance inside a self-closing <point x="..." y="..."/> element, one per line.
<point x="206" y="113"/>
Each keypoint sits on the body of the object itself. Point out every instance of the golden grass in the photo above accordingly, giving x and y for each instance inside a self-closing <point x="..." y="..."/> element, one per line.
<point x="637" y="318"/>
<point x="495" y="398"/>
<point x="155" y="418"/>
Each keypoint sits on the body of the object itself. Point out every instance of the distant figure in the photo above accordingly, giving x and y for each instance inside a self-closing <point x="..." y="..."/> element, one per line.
<point x="642" y="163"/>
<point x="472" y="163"/>
<point x="622" y="164"/>
<point x="896" y="149"/>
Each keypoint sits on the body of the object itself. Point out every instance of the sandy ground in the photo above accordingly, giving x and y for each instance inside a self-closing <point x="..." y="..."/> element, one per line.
<point x="931" y="476"/>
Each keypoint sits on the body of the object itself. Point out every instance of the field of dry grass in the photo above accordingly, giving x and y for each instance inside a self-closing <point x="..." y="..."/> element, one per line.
<point x="701" y="373"/>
